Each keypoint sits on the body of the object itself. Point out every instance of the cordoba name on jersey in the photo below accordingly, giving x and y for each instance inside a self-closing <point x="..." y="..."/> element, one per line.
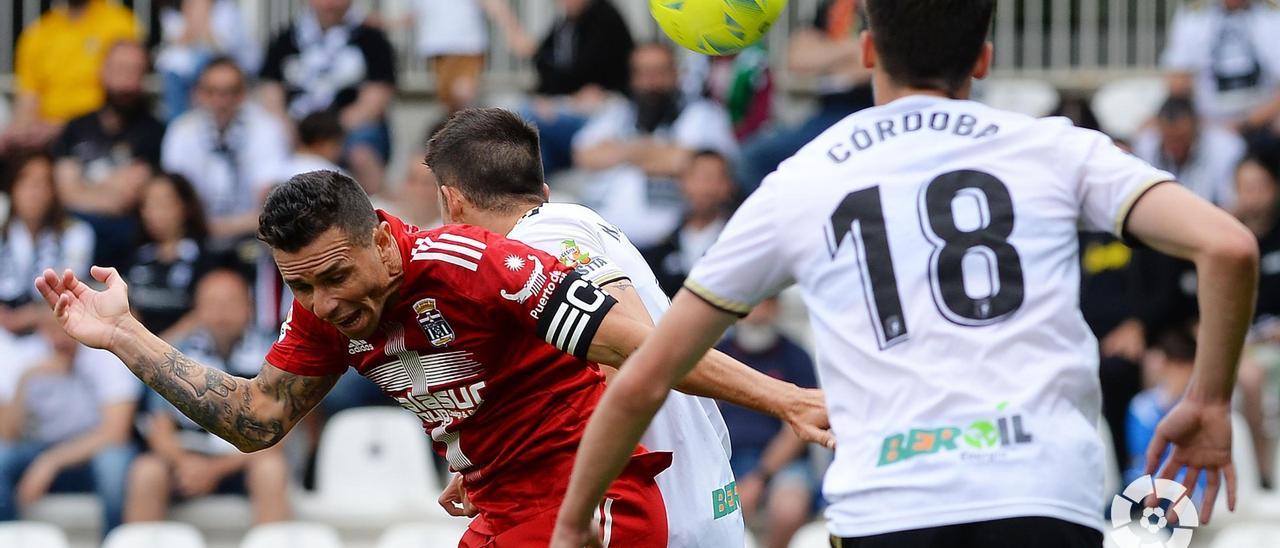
<point x="937" y="121"/>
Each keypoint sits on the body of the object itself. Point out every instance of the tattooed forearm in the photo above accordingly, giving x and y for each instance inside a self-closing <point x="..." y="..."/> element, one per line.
<point x="252" y="414"/>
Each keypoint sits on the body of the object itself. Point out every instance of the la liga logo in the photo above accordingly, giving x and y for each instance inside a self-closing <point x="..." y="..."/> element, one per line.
<point x="1136" y="523"/>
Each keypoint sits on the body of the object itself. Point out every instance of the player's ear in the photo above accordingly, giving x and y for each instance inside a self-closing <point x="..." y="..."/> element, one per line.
<point x="546" y="192"/>
<point x="453" y="204"/>
<point x="385" y="244"/>
<point x="868" y="47"/>
<point x="983" y="67"/>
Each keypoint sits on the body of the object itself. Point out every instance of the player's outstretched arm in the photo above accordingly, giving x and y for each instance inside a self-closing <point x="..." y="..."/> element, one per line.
<point x="1174" y="221"/>
<point x="683" y="336"/>
<point x="252" y="414"/>
<point x="716" y="375"/>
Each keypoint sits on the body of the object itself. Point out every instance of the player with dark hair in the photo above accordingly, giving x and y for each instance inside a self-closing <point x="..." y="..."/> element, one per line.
<point x="935" y="241"/>
<point x="506" y="194"/>
<point x="488" y="341"/>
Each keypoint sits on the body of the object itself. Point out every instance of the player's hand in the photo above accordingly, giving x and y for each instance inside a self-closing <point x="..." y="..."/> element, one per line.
<point x="807" y="415"/>
<point x="196" y="475"/>
<point x="455" y="501"/>
<point x="36" y="481"/>
<point x="95" y="318"/>
<point x="1201" y="438"/>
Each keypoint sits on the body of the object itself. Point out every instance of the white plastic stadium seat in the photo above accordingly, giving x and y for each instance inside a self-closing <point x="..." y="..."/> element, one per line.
<point x="31" y="534"/>
<point x="1248" y="535"/>
<point x="434" y="533"/>
<point x="373" y="468"/>
<point x="156" y="534"/>
<point x="292" y="534"/>
<point x="1122" y="106"/>
<point x="1035" y="98"/>
<point x="813" y="535"/>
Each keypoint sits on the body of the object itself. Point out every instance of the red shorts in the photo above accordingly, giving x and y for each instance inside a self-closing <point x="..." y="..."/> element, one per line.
<point x="631" y="516"/>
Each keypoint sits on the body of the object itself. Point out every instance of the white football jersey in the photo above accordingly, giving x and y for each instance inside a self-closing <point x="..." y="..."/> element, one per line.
<point x="935" y="243"/>
<point x="699" y="489"/>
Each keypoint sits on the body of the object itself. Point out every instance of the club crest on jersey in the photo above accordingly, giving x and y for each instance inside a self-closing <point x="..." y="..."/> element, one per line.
<point x="433" y="324"/>
<point x="533" y="286"/>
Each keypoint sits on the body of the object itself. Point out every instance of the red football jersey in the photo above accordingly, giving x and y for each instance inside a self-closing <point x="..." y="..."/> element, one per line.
<point x="485" y="343"/>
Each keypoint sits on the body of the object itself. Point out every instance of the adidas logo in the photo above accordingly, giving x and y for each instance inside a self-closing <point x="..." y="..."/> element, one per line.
<point x="357" y="346"/>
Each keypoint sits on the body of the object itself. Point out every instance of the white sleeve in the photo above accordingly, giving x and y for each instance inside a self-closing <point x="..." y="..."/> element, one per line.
<point x="746" y="265"/>
<point x="112" y="381"/>
<point x="1110" y="180"/>
<point x="171" y="148"/>
<point x="706" y="125"/>
<point x="577" y="244"/>
<point x="1181" y="51"/>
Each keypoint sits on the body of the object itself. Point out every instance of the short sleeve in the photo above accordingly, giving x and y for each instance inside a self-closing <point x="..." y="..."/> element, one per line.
<point x="112" y="382"/>
<point x="1111" y="180"/>
<point x="745" y="265"/>
<point x="531" y="289"/>
<point x="26" y="61"/>
<point x="307" y="346"/>
<point x="577" y="244"/>
<point x="269" y="153"/>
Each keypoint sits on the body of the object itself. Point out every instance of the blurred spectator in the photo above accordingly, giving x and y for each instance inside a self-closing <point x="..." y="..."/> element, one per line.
<point x="171" y="256"/>
<point x="230" y="149"/>
<point x="104" y="158"/>
<point x="1171" y="361"/>
<point x="453" y="36"/>
<point x="584" y="56"/>
<point x="328" y="59"/>
<point x="57" y="66"/>
<point x="1222" y="53"/>
<point x="320" y="137"/>
<point x="1203" y="157"/>
<point x="1106" y="301"/>
<point x="183" y="459"/>
<point x="1258" y="207"/>
<point x="192" y="33"/>
<point x="769" y="460"/>
<point x="708" y="190"/>
<point x="638" y="146"/>
<point x="67" y="427"/>
<point x="741" y="83"/>
<point x="829" y="53"/>
<point x="37" y="234"/>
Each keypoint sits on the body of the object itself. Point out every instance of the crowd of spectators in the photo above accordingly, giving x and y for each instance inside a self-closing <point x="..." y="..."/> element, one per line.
<point x="166" y="184"/>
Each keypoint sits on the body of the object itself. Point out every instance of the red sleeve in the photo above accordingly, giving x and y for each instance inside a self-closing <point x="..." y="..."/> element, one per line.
<point x="307" y="346"/>
<point x="533" y="290"/>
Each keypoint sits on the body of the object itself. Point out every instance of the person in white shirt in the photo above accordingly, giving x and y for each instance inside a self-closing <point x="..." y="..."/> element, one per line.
<point x="508" y="196"/>
<point x="231" y="149"/>
<point x="1202" y="156"/>
<point x="65" y="427"/>
<point x="454" y="36"/>
<point x="636" y="147"/>
<point x="1222" y="53"/>
<point x="935" y="242"/>
<point x="708" y="191"/>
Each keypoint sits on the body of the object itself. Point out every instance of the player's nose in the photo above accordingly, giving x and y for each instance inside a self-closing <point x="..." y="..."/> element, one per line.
<point x="325" y="306"/>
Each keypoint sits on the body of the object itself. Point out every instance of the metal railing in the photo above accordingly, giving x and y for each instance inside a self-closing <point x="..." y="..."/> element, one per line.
<point x="1075" y="44"/>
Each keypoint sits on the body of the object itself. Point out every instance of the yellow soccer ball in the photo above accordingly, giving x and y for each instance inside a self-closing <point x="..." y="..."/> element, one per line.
<point x="715" y="27"/>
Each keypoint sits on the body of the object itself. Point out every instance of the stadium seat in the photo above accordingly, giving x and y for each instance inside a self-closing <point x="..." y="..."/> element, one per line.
<point x="373" y="469"/>
<point x="31" y="534"/>
<point x="1035" y="98"/>
<point x="292" y="534"/>
<point x="1123" y="106"/>
<point x="750" y="540"/>
<point x="156" y="534"/>
<point x="441" y="533"/>
<point x="813" y="535"/>
<point x="77" y="514"/>
<point x="1248" y="535"/>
